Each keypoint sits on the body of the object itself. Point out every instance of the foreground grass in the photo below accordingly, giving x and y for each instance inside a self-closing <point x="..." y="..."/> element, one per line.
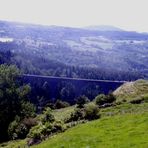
<point x="124" y="108"/>
<point x="61" y="114"/>
<point x="120" y="131"/>
<point x="14" y="144"/>
<point x="121" y="126"/>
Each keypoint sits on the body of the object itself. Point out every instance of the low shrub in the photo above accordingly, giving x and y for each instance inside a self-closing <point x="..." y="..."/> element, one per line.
<point x="57" y="126"/>
<point x="61" y="104"/>
<point x="81" y="100"/>
<point x="12" y="129"/>
<point x="19" y="129"/>
<point x="102" y="99"/>
<point x="77" y="115"/>
<point x="91" y="111"/>
<point x="110" y="98"/>
<point x="46" y="126"/>
<point x="42" y="131"/>
<point x="36" y="132"/>
<point x="47" y="116"/>
<point x="50" y="105"/>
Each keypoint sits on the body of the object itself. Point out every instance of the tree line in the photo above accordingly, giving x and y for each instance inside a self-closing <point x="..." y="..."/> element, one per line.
<point x="38" y="65"/>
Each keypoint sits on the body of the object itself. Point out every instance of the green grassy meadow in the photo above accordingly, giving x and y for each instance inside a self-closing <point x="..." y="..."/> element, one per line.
<point x="120" y="131"/>
<point x="122" y="126"/>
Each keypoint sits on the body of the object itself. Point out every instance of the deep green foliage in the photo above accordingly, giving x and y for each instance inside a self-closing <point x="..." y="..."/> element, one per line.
<point x="76" y="115"/>
<point x="27" y="109"/>
<point x="110" y="97"/>
<point x="81" y="100"/>
<point x="91" y="111"/>
<point x="13" y="99"/>
<point x="12" y="129"/>
<point x="18" y="129"/>
<point x="47" y="116"/>
<point x="102" y="99"/>
<point x="47" y="125"/>
<point x="61" y="104"/>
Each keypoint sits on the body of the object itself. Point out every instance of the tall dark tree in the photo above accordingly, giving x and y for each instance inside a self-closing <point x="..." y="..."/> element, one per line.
<point x="13" y="98"/>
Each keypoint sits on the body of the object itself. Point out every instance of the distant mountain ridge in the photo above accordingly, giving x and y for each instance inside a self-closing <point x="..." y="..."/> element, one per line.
<point x="104" y="28"/>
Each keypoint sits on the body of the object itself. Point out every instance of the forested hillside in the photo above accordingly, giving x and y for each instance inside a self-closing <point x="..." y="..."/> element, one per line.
<point x="74" y="52"/>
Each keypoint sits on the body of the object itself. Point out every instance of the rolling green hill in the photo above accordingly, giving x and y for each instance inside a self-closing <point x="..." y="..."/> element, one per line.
<point x="124" y="131"/>
<point x="121" y="126"/>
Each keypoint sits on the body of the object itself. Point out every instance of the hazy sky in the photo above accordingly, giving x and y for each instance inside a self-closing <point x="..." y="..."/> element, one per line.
<point x="127" y="14"/>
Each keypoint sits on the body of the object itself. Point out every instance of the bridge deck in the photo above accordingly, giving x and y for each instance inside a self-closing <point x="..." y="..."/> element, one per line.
<point x="77" y="79"/>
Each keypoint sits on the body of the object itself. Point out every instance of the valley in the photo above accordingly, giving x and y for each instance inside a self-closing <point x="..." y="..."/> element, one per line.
<point x="115" y="54"/>
<point x="66" y="87"/>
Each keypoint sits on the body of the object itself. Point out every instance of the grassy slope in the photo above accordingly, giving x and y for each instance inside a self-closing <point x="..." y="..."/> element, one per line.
<point x="124" y="131"/>
<point x="13" y="144"/>
<point x="132" y="90"/>
<point x="124" y="125"/>
<point x="121" y="126"/>
<point x="60" y="114"/>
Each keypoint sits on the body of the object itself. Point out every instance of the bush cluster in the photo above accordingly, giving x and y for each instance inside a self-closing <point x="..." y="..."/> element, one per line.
<point x="81" y="100"/>
<point x="47" y="125"/>
<point x="18" y="129"/>
<point x="90" y="111"/>
<point x="102" y="99"/>
<point x="61" y="104"/>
